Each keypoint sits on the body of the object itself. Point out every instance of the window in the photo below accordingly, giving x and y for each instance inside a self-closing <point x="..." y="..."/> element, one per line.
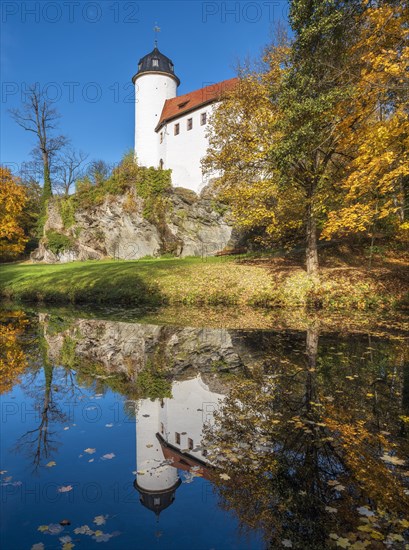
<point x="203" y="119"/>
<point x="189" y="123"/>
<point x="204" y="452"/>
<point x="139" y="66"/>
<point x="155" y="62"/>
<point x="177" y="437"/>
<point x="161" y="137"/>
<point x="156" y="501"/>
<point x="177" y="129"/>
<point x="161" y="164"/>
<point x="162" y="428"/>
<point x="190" y="443"/>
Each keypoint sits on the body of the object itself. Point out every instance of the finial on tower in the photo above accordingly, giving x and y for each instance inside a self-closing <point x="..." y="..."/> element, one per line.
<point x="156" y="30"/>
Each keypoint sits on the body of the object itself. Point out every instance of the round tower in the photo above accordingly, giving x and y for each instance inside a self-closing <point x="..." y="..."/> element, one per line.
<point x="155" y="82"/>
<point x="156" y="479"/>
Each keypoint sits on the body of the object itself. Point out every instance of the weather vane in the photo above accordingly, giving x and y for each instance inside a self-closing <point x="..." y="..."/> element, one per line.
<point x="156" y="30"/>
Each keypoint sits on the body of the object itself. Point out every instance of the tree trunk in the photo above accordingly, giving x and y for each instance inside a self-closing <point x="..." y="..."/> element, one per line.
<point x="47" y="190"/>
<point x="311" y="249"/>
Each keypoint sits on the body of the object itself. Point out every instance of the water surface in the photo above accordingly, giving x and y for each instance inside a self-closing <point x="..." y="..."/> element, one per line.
<point x="139" y="434"/>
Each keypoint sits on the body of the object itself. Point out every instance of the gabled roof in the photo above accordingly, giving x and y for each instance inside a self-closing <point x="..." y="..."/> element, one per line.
<point x="180" y="105"/>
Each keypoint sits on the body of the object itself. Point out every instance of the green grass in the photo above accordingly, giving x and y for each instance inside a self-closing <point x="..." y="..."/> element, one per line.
<point x="103" y="282"/>
<point x="197" y="282"/>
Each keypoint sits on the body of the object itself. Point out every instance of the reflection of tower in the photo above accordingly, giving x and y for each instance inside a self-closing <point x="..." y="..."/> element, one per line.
<point x="168" y="438"/>
<point x="156" y="480"/>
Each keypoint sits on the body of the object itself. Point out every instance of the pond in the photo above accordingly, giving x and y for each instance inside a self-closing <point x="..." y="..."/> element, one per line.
<point x="135" y="432"/>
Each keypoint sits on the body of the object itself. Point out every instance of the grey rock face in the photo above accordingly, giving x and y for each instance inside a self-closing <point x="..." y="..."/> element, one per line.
<point x="114" y="229"/>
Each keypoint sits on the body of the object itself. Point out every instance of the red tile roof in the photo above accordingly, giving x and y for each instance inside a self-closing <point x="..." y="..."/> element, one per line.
<point x="180" y="105"/>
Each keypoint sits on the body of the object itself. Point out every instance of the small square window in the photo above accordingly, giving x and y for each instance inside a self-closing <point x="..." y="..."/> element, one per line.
<point x="155" y="62"/>
<point x="161" y="137"/>
<point x="189" y="123"/>
<point x="203" y="119"/>
<point x="177" y="438"/>
<point x="177" y="129"/>
<point x="190" y="443"/>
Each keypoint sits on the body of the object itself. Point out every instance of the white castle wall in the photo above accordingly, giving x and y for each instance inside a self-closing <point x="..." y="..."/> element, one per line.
<point x="182" y="153"/>
<point x="192" y="406"/>
<point x="151" y="91"/>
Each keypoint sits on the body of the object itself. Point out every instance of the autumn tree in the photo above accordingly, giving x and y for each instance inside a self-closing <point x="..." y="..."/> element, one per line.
<point x="292" y="129"/>
<point x="12" y="201"/>
<point x="375" y="126"/>
<point x="40" y="117"/>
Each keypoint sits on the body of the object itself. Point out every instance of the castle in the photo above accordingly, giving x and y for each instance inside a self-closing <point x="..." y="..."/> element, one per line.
<point x="171" y="130"/>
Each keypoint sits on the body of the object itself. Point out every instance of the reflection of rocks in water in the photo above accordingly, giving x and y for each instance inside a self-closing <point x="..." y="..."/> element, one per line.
<point x="129" y="347"/>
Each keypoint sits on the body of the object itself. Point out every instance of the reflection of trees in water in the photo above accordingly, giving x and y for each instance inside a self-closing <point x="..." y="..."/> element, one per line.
<point x="302" y="440"/>
<point x="40" y="443"/>
<point x="13" y="361"/>
<point x="49" y="387"/>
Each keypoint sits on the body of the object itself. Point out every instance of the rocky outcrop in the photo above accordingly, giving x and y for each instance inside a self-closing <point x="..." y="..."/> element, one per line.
<point x="118" y="228"/>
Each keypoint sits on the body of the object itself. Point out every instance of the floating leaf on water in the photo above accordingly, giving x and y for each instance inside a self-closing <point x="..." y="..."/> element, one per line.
<point x="287" y="543"/>
<point x="108" y="456"/>
<point x="65" y="488"/>
<point x="393" y="460"/>
<point x="331" y="510"/>
<point x="3" y="472"/>
<point x="343" y="543"/>
<point x="225" y="477"/>
<point x="83" y="530"/>
<point x="109" y="425"/>
<point x="51" y="464"/>
<point x="65" y="538"/>
<point x="91" y="460"/>
<point x="404" y="523"/>
<point x="89" y="451"/>
<point x="38" y="546"/>
<point x="364" y="511"/>
<point x="100" y="520"/>
<point x="66" y="428"/>
<point x="65" y="522"/>
<point x="51" y="529"/>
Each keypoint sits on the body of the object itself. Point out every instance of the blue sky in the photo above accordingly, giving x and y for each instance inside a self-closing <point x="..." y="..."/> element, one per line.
<point x="84" y="54"/>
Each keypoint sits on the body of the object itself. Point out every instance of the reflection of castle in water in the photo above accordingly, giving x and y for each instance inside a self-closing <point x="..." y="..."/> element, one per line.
<point x="168" y="439"/>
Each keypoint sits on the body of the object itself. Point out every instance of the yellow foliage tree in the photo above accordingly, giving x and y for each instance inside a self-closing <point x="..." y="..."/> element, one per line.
<point x="240" y="141"/>
<point x="374" y="128"/>
<point x="12" y="201"/>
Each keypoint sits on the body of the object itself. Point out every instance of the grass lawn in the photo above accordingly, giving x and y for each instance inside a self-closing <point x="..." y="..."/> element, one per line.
<point x="270" y="282"/>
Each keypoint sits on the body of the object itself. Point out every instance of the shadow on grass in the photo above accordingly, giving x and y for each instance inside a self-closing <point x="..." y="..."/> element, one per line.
<point x="103" y="283"/>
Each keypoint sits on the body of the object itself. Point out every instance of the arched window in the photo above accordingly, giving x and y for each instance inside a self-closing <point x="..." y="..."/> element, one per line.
<point x="161" y="164"/>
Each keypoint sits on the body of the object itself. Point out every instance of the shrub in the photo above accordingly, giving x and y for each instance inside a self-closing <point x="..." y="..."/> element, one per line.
<point x="67" y="211"/>
<point x="57" y="242"/>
